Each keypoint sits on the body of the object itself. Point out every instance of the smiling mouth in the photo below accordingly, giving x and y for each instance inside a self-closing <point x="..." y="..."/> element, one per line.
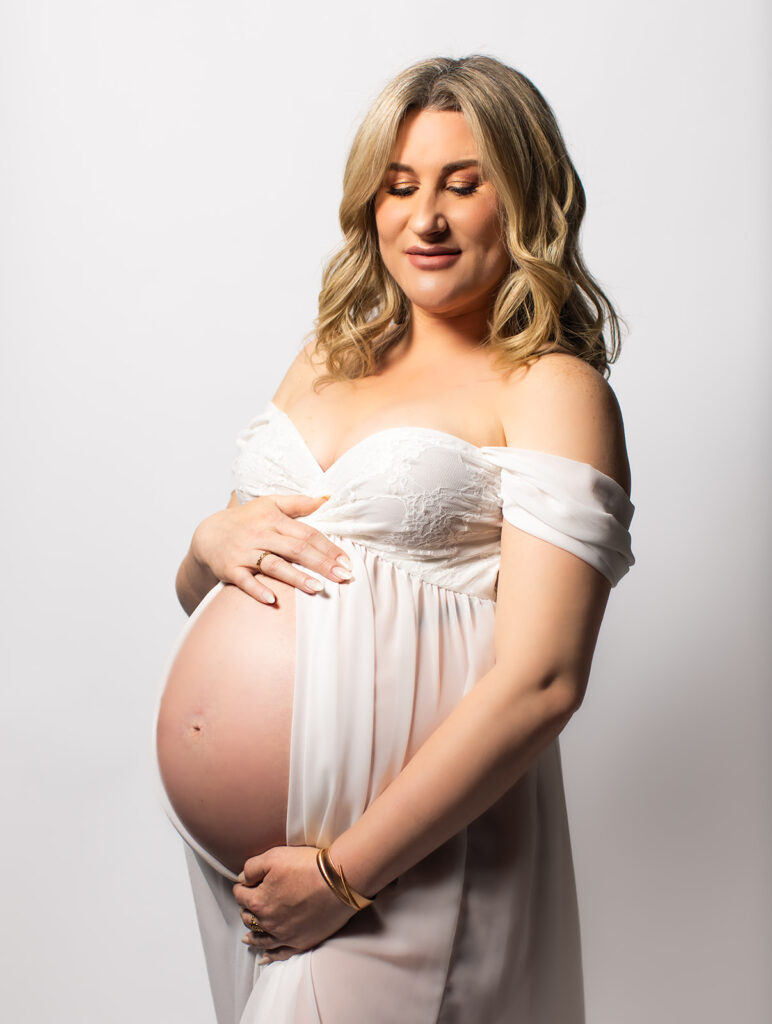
<point x="433" y="260"/>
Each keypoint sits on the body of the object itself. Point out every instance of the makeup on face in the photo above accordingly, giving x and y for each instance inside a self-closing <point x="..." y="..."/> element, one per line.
<point x="437" y="217"/>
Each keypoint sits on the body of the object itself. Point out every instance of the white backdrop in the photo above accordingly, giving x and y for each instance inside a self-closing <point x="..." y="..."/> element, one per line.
<point x="169" y="179"/>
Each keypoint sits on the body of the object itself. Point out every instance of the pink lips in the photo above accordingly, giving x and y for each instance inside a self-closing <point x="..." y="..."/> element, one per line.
<point x="432" y="258"/>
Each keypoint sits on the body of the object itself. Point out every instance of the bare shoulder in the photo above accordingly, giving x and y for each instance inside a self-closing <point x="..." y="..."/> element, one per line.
<point x="562" y="405"/>
<point x="302" y="370"/>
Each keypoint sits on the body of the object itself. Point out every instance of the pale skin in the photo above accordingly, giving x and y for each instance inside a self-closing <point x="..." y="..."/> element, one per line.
<point x="550" y="603"/>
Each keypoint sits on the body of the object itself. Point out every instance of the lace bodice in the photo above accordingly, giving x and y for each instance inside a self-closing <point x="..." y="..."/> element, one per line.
<point x="432" y="503"/>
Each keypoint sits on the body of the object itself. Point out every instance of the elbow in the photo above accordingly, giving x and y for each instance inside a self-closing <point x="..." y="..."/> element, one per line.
<point x="553" y="699"/>
<point x="541" y="704"/>
<point x="563" y="697"/>
<point x="185" y="596"/>
<point x="179" y="589"/>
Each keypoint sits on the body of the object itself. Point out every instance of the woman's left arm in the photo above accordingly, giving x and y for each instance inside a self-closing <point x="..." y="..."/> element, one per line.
<point x="549" y="609"/>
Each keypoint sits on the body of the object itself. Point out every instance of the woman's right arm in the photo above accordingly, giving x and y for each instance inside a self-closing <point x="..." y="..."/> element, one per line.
<point x="194" y="578"/>
<point x="226" y="545"/>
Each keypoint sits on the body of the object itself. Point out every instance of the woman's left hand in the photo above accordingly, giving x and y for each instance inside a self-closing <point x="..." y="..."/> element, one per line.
<point x="284" y="889"/>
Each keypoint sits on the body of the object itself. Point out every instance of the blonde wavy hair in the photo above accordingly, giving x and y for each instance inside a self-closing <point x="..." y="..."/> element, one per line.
<point x="548" y="298"/>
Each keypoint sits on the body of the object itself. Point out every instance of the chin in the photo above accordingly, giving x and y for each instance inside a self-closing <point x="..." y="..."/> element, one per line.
<point x="442" y="306"/>
<point x="436" y="297"/>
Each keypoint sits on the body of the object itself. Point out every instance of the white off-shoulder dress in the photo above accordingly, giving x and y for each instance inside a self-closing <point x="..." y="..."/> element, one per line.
<point x="485" y="930"/>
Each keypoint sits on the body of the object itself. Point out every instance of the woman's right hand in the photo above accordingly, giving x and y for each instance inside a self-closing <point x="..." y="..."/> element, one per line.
<point x="230" y="541"/>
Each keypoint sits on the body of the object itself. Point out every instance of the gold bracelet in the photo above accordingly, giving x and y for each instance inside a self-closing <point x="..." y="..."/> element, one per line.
<point x="336" y="880"/>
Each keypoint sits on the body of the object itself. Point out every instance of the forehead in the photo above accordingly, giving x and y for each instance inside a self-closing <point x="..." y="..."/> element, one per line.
<point x="434" y="137"/>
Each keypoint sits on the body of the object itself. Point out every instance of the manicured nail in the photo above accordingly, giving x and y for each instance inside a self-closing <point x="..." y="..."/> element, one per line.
<point x="242" y="878"/>
<point x="263" y="961"/>
<point x="345" y="560"/>
<point x="324" y="497"/>
<point x="269" y="597"/>
<point x="314" y="585"/>
<point x="341" y="573"/>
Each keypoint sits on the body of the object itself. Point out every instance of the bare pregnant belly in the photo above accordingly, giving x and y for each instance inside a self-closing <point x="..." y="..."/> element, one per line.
<point x="225" y="721"/>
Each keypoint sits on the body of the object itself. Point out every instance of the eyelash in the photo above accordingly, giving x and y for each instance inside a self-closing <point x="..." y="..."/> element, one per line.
<point x="464" y="190"/>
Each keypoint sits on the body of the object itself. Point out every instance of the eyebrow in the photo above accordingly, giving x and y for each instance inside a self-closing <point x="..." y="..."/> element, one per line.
<point x="458" y="165"/>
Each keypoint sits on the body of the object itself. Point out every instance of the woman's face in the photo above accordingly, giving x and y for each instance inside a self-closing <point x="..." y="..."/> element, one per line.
<point x="433" y="197"/>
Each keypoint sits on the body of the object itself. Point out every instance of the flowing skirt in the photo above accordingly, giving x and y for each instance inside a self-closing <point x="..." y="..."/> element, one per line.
<point x="484" y="929"/>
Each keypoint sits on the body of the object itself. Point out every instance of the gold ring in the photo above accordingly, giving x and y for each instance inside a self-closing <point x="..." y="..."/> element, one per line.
<point x="262" y="556"/>
<point x="254" y="925"/>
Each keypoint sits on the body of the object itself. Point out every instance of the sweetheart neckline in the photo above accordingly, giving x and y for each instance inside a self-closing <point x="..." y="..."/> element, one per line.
<point x="385" y="430"/>
<point x="478" y="449"/>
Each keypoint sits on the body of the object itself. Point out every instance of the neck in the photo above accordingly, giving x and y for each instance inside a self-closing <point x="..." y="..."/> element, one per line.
<point x="431" y="335"/>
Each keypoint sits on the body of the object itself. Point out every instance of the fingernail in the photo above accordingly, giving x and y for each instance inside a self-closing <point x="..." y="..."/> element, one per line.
<point x="341" y="573"/>
<point x="242" y="878"/>
<point x="263" y="961"/>
<point x="314" y="585"/>
<point x="345" y="560"/>
<point x="324" y="497"/>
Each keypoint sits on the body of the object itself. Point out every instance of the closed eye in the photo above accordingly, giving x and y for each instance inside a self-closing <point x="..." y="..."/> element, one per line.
<point x="459" y="190"/>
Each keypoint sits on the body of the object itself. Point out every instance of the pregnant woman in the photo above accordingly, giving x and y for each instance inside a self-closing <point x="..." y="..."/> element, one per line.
<point x="395" y="616"/>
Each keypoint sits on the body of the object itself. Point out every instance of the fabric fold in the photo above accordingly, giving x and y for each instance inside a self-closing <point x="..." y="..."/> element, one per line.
<point x="569" y="504"/>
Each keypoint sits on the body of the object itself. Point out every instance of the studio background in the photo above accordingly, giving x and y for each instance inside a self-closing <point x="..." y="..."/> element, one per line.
<point x="169" y="180"/>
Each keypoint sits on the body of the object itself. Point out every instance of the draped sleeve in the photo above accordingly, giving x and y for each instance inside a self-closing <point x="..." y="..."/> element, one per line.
<point x="568" y="503"/>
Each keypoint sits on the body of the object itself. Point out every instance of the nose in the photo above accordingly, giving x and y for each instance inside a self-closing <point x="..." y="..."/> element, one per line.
<point x="427" y="216"/>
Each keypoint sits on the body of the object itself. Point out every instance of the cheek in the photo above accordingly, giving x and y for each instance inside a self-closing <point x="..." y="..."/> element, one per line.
<point x="490" y="257"/>
<point x="388" y="232"/>
<point x="496" y="252"/>
<point x="386" y="223"/>
<point x="482" y="228"/>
